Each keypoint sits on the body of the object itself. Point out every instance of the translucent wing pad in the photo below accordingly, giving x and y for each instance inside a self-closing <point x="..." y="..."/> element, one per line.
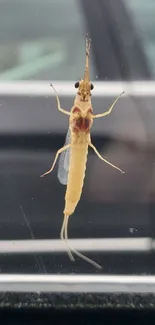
<point x="63" y="165"/>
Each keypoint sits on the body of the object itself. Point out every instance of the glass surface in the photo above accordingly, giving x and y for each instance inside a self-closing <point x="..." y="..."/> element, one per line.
<point x="41" y="39"/>
<point x="142" y="13"/>
<point x="44" y="41"/>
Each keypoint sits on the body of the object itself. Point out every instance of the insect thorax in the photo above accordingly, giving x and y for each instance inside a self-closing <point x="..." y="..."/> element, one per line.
<point x="81" y="119"/>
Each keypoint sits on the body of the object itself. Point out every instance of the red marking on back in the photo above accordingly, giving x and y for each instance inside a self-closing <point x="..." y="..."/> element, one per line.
<point x="75" y="130"/>
<point x="86" y="123"/>
<point x="82" y="124"/>
<point x="76" y="110"/>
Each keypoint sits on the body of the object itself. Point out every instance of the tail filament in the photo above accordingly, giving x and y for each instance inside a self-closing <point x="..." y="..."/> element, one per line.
<point x="64" y="238"/>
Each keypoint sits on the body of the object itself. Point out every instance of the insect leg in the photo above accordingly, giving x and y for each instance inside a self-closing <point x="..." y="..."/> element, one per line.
<point x="98" y="154"/>
<point x="56" y="157"/>
<point x="58" y="102"/>
<point x="109" y="110"/>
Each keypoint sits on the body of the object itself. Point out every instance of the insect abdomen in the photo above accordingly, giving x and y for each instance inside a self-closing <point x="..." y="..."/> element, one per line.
<point x="76" y="175"/>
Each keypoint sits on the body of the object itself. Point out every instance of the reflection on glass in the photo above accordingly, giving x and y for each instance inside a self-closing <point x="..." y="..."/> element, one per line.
<point x="41" y="40"/>
<point x="143" y="12"/>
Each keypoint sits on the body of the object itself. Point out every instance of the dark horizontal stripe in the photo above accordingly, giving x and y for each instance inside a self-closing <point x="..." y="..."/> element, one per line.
<point x="40" y="141"/>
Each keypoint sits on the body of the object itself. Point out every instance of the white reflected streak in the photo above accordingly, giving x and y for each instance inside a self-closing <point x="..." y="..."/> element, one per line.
<point x="87" y="245"/>
<point x="65" y="88"/>
<point x="76" y="283"/>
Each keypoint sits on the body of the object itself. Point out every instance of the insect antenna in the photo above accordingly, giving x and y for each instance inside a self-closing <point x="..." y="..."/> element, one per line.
<point x="88" y="45"/>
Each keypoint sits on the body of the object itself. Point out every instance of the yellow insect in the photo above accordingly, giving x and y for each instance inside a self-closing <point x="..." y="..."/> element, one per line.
<point x="73" y="158"/>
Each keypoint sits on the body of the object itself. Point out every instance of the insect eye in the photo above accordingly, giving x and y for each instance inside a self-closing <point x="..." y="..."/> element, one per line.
<point x="92" y="87"/>
<point x="77" y="84"/>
